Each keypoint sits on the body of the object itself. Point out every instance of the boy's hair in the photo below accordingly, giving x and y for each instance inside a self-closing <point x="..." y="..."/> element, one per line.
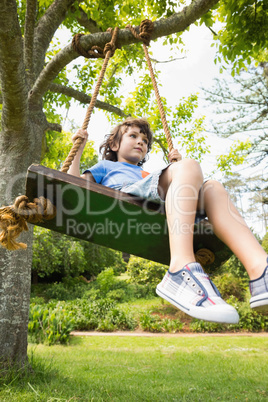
<point x="116" y="135"/>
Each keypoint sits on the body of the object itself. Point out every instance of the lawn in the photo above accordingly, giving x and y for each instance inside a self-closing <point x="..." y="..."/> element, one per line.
<point x="114" y="368"/>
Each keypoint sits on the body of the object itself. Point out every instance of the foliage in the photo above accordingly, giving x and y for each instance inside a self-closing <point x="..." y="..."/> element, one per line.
<point x="236" y="156"/>
<point x="56" y="147"/>
<point x="54" y="253"/>
<point x="244" y="33"/>
<point x="50" y="323"/>
<point x="206" y="326"/>
<point x="106" y="285"/>
<point x="241" y="105"/>
<point x="235" y="268"/>
<point x="249" y="319"/>
<point x="106" y="280"/>
<point x="265" y="242"/>
<point x="230" y="285"/>
<point x="153" y="323"/>
<point x="143" y="271"/>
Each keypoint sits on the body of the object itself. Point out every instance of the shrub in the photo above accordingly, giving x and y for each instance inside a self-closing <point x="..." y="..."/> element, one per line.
<point x="154" y="323"/>
<point x="230" y="285"/>
<point x="250" y="320"/>
<point x="205" y="326"/>
<point x="100" y="315"/>
<point x="50" y="323"/>
<point x="235" y="267"/>
<point x="106" y="280"/>
<point x="68" y="290"/>
<point x="143" y="271"/>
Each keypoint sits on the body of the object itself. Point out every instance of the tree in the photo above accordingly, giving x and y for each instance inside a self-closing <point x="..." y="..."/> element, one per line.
<point x="31" y="73"/>
<point x="244" y="34"/>
<point x="241" y="104"/>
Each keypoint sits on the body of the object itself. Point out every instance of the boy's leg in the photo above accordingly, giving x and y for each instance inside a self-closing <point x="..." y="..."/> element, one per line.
<point x="231" y="228"/>
<point x="186" y="285"/>
<point x="179" y="185"/>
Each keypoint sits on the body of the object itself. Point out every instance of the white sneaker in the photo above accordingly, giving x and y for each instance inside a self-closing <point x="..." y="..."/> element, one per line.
<point x="191" y="290"/>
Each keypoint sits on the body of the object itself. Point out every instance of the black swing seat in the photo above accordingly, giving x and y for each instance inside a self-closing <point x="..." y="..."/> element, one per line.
<point x="113" y="219"/>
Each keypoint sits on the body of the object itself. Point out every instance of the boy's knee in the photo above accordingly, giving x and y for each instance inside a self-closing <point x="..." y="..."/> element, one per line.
<point x="213" y="185"/>
<point x="187" y="166"/>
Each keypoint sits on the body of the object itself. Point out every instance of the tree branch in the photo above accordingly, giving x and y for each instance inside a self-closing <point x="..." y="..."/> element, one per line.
<point x="168" y="61"/>
<point x="90" y="25"/>
<point x="53" y="127"/>
<point x="83" y="98"/>
<point x="29" y="38"/>
<point x="46" y="28"/>
<point x="176" y="23"/>
<point x="12" y="72"/>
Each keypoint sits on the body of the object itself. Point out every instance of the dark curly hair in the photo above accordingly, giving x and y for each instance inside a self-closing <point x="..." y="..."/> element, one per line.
<point x="115" y="137"/>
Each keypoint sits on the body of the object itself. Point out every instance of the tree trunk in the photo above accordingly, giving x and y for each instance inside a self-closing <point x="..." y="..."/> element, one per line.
<point x="15" y="266"/>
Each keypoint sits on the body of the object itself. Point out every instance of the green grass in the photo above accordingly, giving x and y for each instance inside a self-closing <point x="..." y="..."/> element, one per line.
<point x="113" y="368"/>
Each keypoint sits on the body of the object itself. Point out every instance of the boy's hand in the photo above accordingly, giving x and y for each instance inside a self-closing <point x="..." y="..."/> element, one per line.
<point x="80" y="133"/>
<point x="174" y="156"/>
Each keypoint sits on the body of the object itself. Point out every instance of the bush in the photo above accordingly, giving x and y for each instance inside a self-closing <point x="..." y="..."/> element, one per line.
<point x="205" y="326"/>
<point x="101" y="315"/>
<point x="250" y="320"/>
<point x="50" y="323"/>
<point x="230" y="285"/>
<point x="154" y="323"/>
<point x="143" y="271"/>
<point x="57" y="256"/>
<point x="235" y="267"/>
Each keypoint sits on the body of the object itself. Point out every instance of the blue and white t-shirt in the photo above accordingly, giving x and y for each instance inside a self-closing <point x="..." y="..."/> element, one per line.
<point x="116" y="174"/>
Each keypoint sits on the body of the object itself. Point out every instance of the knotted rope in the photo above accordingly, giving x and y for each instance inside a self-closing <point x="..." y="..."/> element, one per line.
<point x="14" y="218"/>
<point x="145" y="31"/>
<point x="108" y="51"/>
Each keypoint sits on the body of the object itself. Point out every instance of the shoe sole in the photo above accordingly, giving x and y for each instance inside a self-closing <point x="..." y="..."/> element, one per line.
<point x="259" y="302"/>
<point x="217" y="315"/>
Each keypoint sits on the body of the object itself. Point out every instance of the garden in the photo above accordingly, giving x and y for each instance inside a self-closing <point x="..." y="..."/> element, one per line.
<point x="97" y="290"/>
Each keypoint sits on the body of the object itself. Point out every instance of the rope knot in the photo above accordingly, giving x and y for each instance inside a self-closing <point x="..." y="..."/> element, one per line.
<point x="14" y="218"/>
<point x="145" y="31"/>
<point x="96" y="51"/>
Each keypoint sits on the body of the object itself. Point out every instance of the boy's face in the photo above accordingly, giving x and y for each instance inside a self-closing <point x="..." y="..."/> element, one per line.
<point x="133" y="146"/>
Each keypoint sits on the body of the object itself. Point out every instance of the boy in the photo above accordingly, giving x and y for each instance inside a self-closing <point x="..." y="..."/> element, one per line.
<point x="180" y="185"/>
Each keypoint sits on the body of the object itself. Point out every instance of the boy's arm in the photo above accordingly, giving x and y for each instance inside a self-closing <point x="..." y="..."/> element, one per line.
<point x="75" y="166"/>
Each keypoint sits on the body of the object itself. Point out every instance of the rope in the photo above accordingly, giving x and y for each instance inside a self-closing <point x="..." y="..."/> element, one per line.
<point x="14" y="218"/>
<point x="146" y="29"/>
<point x="108" y="51"/>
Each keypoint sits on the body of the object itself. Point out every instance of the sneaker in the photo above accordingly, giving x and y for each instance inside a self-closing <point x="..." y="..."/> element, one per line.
<point x="191" y="290"/>
<point x="259" y="291"/>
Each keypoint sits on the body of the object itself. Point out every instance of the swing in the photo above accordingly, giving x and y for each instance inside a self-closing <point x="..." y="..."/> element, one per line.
<point x="99" y="214"/>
